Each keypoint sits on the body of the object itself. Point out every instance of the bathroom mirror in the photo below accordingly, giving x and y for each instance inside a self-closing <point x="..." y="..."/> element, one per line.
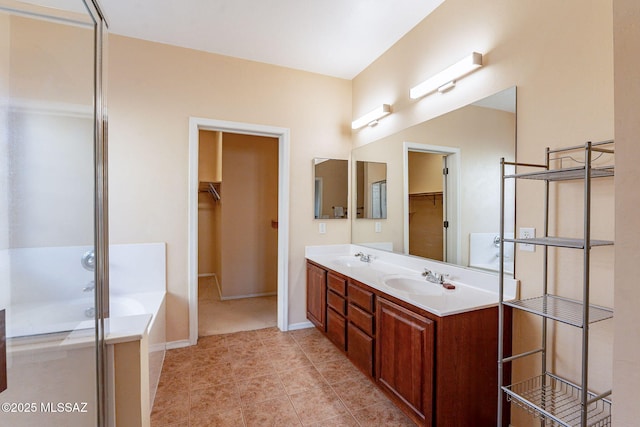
<point x="371" y="190"/>
<point x="468" y="143"/>
<point x="331" y="188"/>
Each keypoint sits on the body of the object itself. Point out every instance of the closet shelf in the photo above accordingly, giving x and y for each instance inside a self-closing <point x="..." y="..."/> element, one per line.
<point x="562" y="309"/>
<point x="558" y="402"/>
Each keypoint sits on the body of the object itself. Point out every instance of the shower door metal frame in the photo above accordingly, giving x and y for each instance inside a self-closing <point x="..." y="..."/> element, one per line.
<point x="101" y="218"/>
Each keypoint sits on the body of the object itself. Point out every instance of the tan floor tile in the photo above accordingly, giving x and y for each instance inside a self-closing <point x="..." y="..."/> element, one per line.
<point x="317" y="404"/>
<point x="339" y="370"/>
<point x="209" y="376"/>
<point x="259" y="389"/>
<point x="244" y="368"/>
<point x="174" y="382"/>
<point x="210" y="357"/>
<point x="345" y="420"/>
<point x="166" y="415"/>
<point x="358" y="394"/>
<point x="177" y="360"/>
<point x="275" y="342"/>
<point x="228" y="418"/>
<point x="275" y="412"/>
<point x="241" y="338"/>
<point x="322" y="352"/>
<point x="214" y="400"/>
<point x="289" y="358"/>
<point x="301" y="379"/>
<point x="382" y="414"/>
<point x="211" y="342"/>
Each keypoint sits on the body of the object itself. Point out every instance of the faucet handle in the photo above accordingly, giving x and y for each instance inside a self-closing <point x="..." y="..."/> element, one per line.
<point x="358" y="254"/>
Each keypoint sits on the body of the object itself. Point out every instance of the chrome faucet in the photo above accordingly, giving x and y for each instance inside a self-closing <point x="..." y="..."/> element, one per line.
<point x="434" y="276"/>
<point x="364" y="257"/>
<point x="90" y="286"/>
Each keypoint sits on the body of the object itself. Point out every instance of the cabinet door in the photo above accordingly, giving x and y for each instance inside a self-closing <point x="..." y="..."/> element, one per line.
<point x="360" y="349"/>
<point x="317" y="296"/>
<point x="404" y="357"/>
<point x="337" y="329"/>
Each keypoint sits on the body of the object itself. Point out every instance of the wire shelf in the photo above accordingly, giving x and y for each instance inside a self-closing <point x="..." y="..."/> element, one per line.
<point x="558" y="402"/>
<point x="561" y="309"/>
<point x="562" y="242"/>
<point x="565" y="174"/>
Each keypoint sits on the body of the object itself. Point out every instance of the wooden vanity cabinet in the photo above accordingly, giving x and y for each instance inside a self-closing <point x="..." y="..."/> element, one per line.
<point x="441" y="371"/>
<point x="404" y="358"/>
<point x="337" y="310"/>
<point x="317" y="296"/>
<point x="361" y="327"/>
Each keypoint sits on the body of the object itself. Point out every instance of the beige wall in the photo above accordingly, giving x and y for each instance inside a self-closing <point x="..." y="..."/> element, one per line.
<point x="425" y="172"/>
<point x="626" y="364"/>
<point x="559" y="54"/>
<point x="249" y="243"/>
<point x="153" y="90"/>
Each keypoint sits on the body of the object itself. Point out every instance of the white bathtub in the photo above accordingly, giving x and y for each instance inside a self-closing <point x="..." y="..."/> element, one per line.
<point x="38" y="318"/>
<point x="48" y="320"/>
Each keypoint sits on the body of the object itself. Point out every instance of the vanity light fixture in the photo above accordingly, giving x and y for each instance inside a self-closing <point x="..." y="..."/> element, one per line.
<point x="446" y="79"/>
<point x="372" y="117"/>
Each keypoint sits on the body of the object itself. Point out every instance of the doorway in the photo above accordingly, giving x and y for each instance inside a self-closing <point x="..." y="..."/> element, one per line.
<point x="246" y="255"/>
<point x="237" y="232"/>
<point x="431" y="205"/>
<point x="427" y="206"/>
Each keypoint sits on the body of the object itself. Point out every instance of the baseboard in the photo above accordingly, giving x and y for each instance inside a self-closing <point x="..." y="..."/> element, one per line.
<point x="178" y="344"/>
<point x="301" y="325"/>
<point x="264" y="294"/>
<point x="206" y="274"/>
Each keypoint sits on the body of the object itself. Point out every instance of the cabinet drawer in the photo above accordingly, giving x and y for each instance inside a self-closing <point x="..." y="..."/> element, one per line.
<point x="361" y="319"/>
<point x="337" y="329"/>
<point x="336" y="283"/>
<point x="337" y="302"/>
<point x="362" y="298"/>
<point x="360" y="350"/>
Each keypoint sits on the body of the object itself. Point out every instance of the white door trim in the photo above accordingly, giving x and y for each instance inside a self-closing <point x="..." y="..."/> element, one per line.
<point x="454" y="247"/>
<point x="196" y="124"/>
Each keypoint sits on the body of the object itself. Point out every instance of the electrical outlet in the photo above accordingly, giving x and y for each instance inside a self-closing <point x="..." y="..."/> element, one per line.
<point x="322" y="227"/>
<point x="378" y="227"/>
<point x="527" y="233"/>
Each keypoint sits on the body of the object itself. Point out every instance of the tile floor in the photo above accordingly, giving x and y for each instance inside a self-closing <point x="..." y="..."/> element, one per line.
<point x="221" y="317"/>
<point x="268" y="378"/>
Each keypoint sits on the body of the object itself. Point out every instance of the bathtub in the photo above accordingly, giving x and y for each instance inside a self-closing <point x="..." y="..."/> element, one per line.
<point x="50" y="316"/>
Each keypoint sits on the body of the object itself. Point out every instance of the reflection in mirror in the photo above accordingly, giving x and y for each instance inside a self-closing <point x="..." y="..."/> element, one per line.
<point x="331" y="183"/>
<point x="371" y="190"/>
<point x="457" y="220"/>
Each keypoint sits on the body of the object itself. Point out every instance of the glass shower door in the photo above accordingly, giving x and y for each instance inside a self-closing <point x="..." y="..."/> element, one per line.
<point x="51" y="192"/>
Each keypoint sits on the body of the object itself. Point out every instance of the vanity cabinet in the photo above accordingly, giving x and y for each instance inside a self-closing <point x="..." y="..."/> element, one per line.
<point x="361" y="328"/>
<point x="404" y="357"/>
<point x="441" y="371"/>
<point x="337" y="310"/>
<point x="317" y="296"/>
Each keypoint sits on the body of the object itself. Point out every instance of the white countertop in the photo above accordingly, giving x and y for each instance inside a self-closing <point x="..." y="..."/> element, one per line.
<point x="473" y="289"/>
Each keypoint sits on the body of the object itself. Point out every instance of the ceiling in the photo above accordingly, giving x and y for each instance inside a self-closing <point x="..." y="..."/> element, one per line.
<point x="333" y="37"/>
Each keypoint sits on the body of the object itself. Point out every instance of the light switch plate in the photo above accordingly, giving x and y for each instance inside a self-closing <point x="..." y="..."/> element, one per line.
<point x="378" y="227"/>
<point x="322" y="227"/>
<point x="527" y="233"/>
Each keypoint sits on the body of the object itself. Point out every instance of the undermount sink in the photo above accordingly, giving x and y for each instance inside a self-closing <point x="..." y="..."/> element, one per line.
<point x="413" y="285"/>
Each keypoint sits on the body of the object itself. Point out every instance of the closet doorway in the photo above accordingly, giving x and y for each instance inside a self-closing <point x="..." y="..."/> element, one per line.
<point x="237" y="269"/>
<point x="237" y="232"/>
